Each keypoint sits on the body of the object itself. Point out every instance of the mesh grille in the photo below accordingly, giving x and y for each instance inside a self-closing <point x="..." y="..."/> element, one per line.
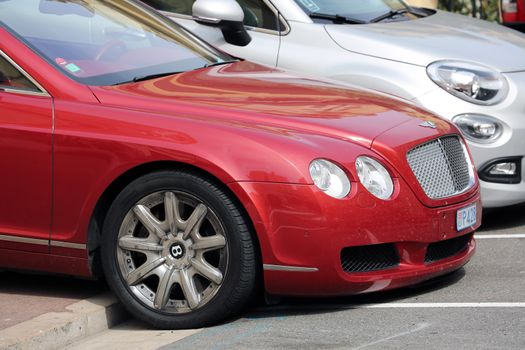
<point x="441" y="167"/>
<point x="369" y="258"/>
<point x="446" y="249"/>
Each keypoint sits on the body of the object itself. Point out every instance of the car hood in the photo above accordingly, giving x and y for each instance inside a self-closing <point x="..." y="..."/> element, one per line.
<point x="442" y="36"/>
<point x="255" y="96"/>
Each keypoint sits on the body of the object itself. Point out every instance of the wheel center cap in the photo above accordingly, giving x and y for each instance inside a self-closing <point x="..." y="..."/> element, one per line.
<point x="177" y="250"/>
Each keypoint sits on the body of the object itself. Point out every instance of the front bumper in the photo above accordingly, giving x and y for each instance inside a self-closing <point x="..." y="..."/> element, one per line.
<point x="302" y="233"/>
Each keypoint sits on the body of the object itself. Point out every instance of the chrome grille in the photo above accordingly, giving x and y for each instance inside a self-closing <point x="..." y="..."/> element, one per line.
<point x="442" y="167"/>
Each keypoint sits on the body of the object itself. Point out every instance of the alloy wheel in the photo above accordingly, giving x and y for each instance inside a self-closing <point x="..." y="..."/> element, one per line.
<point x="172" y="252"/>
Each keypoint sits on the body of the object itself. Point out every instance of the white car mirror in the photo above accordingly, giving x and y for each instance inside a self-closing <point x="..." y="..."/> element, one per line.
<point x="224" y="14"/>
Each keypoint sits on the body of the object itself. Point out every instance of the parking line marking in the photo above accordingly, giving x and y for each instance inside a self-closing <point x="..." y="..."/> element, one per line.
<point x="418" y="328"/>
<point x="501" y="236"/>
<point x="439" y="305"/>
<point x="444" y="305"/>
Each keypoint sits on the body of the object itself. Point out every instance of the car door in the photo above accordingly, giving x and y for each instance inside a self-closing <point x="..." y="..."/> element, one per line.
<point x="260" y="18"/>
<point x="26" y="119"/>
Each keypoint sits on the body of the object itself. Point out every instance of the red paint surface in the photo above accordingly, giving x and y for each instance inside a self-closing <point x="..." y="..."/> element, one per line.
<point x="253" y="128"/>
<point x="518" y="16"/>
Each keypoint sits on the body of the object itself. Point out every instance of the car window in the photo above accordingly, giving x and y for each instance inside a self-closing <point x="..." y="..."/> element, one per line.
<point x="11" y="78"/>
<point x="256" y="12"/>
<point x="106" y="42"/>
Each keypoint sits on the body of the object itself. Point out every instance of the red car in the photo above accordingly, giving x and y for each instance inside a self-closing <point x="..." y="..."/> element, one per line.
<point x="513" y="14"/>
<point x="132" y="149"/>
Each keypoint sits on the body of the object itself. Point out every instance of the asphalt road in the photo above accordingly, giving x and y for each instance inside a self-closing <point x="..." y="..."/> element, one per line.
<point x="451" y="314"/>
<point x="481" y="306"/>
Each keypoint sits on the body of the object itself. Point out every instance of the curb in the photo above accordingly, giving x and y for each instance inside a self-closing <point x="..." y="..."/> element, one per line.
<point x="58" y="329"/>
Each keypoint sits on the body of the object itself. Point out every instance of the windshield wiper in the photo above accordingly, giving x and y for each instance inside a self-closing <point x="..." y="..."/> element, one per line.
<point x="337" y="19"/>
<point x="394" y="13"/>
<point x="160" y="75"/>
<point x="220" y="63"/>
<point x="147" y="77"/>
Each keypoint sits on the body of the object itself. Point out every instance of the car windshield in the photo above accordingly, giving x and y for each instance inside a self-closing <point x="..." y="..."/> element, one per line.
<point x="362" y="10"/>
<point x="106" y="42"/>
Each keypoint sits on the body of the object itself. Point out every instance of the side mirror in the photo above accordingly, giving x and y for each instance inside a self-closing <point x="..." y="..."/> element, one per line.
<point x="224" y="14"/>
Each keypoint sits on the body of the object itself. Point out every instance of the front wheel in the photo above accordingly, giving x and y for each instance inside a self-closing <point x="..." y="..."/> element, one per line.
<point x="177" y="251"/>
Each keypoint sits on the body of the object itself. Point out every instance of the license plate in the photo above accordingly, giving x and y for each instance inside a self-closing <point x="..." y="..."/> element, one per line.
<point x="466" y="217"/>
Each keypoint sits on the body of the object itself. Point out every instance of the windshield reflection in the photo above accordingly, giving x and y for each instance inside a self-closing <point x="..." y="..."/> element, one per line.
<point x="106" y="42"/>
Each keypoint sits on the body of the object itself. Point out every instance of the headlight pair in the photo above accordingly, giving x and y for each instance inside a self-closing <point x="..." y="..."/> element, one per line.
<point x="333" y="181"/>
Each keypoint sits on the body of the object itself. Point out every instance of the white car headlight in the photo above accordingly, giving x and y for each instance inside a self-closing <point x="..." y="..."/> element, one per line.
<point x="469" y="81"/>
<point x="374" y="177"/>
<point x="330" y="178"/>
<point x="479" y="128"/>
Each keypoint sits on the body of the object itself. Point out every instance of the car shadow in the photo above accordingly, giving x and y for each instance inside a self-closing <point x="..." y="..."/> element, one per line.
<point x="43" y="285"/>
<point x="305" y="306"/>
<point x="24" y="296"/>
<point x="503" y="218"/>
<point x="59" y="287"/>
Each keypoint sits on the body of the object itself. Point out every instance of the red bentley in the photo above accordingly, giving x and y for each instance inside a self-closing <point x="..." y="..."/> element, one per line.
<point x="131" y="149"/>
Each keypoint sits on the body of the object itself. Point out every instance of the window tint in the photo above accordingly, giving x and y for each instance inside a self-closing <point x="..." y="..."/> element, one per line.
<point x="11" y="78"/>
<point x="256" y="12"/>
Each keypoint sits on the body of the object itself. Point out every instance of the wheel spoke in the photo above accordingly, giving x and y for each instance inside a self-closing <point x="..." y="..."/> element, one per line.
<point x="190" y="290"/>
<point x="209" y="243"/>
<point x="171" y="207"/>
<point x="143" y="271"/>
<point x="195" y="220"/>
<point x="138" y="244"/>
<point x="207" y="271"/>
<point x="163" y="290"/>
<point x="150" y="222"/>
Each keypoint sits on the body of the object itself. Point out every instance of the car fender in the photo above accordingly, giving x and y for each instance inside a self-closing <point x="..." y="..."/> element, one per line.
<point x="115" y="141"/>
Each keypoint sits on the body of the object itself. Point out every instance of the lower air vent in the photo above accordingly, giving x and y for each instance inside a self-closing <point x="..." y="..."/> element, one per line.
<point x="369" y="258"/>
<point x="446" y="249"/>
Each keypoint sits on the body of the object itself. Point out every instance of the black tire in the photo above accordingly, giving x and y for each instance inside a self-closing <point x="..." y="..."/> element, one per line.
<point x="236" y="260"/>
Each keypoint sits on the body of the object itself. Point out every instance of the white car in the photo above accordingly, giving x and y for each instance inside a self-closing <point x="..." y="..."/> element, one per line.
<point x="466" y="70"/>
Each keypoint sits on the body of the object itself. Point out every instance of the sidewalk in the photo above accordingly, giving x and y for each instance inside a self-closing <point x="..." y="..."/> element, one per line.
<point x="48" y="312"/>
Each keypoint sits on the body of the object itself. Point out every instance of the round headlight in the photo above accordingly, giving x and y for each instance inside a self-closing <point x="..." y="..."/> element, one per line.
<point x="374" y="177"/>
<point x="470" y="82"/>
<point x="479" y="128"/>
<point x="329" y="178"/>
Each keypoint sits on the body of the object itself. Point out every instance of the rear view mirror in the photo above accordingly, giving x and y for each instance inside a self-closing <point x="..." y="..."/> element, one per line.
<point x="226" y="15"/>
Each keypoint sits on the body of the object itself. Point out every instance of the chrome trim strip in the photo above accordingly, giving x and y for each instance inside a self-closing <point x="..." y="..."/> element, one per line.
<point x="17" y="239"/>
<point x="206" y="19"/>
<point x="42" y="91"/>
<point x="62" y="244"/>
<point x="271" y="267"/>
<point x="23" y="92"/>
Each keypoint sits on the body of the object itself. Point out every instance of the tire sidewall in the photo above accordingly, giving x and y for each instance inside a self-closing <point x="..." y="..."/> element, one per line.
<point x="213" y="197"/>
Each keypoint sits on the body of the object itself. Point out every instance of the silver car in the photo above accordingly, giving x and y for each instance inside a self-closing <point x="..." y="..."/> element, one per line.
<point x="466" y="70"/>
